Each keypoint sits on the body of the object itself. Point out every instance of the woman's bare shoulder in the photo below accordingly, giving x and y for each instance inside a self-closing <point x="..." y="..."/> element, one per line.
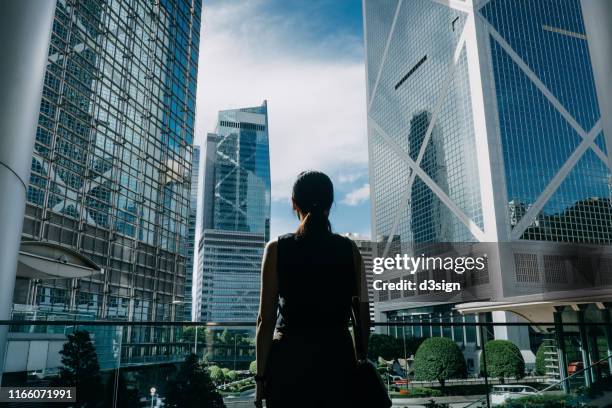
<point x="271" y="248"/>
<point x="272" y="244"/>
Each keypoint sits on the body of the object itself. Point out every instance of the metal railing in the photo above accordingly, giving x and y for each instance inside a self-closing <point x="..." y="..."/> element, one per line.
<point x="172" y="348"/>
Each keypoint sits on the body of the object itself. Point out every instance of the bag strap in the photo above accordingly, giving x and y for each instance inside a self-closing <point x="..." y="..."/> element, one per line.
<point x="361" y="353"/>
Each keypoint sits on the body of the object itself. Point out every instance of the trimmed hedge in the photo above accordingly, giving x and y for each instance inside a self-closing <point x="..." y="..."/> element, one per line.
<point x="504" y="360"/>
<point x="422" y="392"/>
<point x="545" y="401"/>
<point x="439" y="359"/>
<point x="231" y="375"/>
<point x="216" y="374"/>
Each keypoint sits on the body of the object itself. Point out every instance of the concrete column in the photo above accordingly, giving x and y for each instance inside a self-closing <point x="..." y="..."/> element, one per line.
<point x="25" y="32"/>
<point x="479" y="339"/>
<point x="597" y="16"/>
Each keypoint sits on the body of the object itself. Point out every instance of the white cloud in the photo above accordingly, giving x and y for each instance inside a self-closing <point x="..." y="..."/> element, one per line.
<point x="351" y="177"/>
<point x="357" y="196"/>
<point x="316" y="102"/>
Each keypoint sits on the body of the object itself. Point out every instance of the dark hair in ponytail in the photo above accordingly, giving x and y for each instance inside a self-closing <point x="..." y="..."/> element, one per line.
<point x="313" y="195"/>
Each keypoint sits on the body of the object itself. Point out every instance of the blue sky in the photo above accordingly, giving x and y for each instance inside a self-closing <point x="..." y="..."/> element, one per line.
<point x="306" y="59"/>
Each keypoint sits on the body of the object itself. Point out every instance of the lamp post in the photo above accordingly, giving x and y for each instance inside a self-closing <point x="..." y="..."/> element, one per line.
<point x="153" y="390"/>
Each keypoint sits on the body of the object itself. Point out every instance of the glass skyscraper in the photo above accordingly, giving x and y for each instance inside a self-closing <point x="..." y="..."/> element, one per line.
<point x="235" y="215"/>
<point x="191" y="239"/>
<point x="111" y="169"/>
<point x="484" y="126"/>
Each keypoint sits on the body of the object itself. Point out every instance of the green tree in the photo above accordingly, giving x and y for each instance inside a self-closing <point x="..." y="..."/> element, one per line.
<point x="253" y="367"/>
<point x="125" y="397"/>
<point x="385" y="346"/>
<point x="389" y="347"/>
<point x="80" y="368"/>
<point x="226" y="337"/>
<point x="216" y="374"/>
<point x="231" y="375"/>
<point x="192" y="387"/>
<point x="189" y="335"/>
<point x="540" y="363"/>
<point x="439" y="359"/>
<point x="234" y="337"/>
<point x="504" y="360"/>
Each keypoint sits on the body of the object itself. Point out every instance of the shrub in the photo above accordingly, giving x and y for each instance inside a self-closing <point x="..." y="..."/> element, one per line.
<point x="231" y="375"/>
<point x="216" y="374"/>
<point x="545" y="401"/>
<point x="253" y="367"/>
<point x="423" y="392"/>
<point x="504" y="360"/>
<point x="540" y="363"/>
<point x="439" y="359"/>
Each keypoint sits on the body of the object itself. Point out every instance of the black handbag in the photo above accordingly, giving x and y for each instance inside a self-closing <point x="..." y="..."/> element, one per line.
<point x="369" y="387"/>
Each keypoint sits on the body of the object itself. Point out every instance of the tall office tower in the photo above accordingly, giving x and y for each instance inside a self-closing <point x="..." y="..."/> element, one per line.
<point x="111" y="169"/>
<point x="235" y="215"/>
<point x="366" y="248"/>
<point x="426" y="214"/>
<point x="484" y="126"/>
<point x="191" y="239"/>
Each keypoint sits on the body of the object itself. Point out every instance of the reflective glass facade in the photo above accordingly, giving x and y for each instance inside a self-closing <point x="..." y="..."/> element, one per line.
<point x="230" y="269"/>
<point x="111" y="170"/>
<point x="484" y="125"/>
<point x="537" y="111"/>
<point x="235" y="214"/>
<point x="191" y="238"/>
<point x="242" y="171"/>
<point x="537" y="134"/>
<point x="419" y="112"/>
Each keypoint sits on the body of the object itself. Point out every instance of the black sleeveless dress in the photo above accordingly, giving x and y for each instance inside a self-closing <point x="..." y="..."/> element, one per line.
<point x="312" y="360"/>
